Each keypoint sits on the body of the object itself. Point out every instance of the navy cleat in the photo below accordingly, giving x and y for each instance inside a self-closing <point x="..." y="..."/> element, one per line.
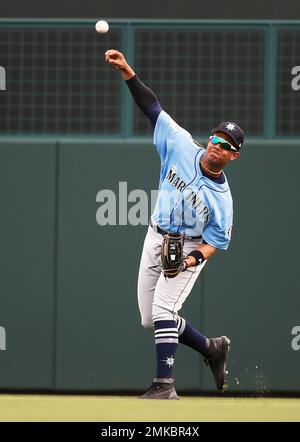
<point x="160" y="390"/>
<point x="216" y="359"/>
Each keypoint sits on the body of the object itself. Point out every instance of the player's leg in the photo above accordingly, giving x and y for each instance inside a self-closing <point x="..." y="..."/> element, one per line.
<point x="169" y="296"/>
<point x="159" y="306"/>
<point x="213" y="350"/>
<point x="191" y="337"/>
<point x="149" y="272"/>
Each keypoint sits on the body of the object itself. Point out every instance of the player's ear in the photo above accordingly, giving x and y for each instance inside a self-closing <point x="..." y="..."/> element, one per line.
<point x="234" y="155"/>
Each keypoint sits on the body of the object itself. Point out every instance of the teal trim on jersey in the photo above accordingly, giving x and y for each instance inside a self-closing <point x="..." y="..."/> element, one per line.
<point x="188" y="201"/>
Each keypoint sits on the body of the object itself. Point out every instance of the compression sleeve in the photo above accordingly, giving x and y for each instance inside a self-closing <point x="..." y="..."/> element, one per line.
<point x="145" y="98"/>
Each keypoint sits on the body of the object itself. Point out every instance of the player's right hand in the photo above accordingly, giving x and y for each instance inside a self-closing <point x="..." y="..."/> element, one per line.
<point x="116" y="58"/>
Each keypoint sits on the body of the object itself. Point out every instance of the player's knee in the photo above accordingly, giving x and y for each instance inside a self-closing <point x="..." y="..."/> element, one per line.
<point x="147" y="323"/>
<point x="160" y="313"/>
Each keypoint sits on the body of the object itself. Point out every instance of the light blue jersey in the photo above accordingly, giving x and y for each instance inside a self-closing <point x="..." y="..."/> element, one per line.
<point x="188" y="201"/>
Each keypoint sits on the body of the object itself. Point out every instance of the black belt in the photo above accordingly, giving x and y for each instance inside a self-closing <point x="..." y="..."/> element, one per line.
<point x="158" y="229"/>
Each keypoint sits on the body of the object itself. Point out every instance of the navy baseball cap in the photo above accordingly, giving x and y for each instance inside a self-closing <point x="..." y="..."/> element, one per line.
<point x="233" y="130"/>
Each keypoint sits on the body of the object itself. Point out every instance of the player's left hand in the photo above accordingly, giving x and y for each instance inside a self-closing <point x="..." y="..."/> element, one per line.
<point x="172" y="255"/>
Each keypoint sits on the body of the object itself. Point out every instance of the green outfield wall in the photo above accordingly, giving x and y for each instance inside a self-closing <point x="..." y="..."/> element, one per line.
<point x="68" y="313"/>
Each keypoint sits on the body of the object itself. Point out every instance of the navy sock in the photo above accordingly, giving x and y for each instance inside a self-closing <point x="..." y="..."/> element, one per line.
<point x="191" y="337"/>
<point x="166" y="342"/>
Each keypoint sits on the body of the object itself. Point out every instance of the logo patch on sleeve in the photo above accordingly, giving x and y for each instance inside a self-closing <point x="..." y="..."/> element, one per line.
<point x="229" y="231"/>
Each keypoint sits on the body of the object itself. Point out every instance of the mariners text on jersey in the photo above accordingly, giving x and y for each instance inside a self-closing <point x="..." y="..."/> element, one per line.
<point x="189" y="197"/>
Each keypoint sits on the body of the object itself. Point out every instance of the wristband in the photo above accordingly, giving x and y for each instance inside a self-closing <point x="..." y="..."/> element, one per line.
<point x="198" y="256"/>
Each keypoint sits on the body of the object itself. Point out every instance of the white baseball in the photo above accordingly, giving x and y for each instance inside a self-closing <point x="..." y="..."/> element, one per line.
<point x="102" y="26"/>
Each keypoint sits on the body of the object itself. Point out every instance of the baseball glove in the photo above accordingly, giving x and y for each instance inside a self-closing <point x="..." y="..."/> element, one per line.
<point x="172" y="254"/>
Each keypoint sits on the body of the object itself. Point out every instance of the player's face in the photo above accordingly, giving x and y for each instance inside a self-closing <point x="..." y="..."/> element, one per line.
<point x="216" y="154"/>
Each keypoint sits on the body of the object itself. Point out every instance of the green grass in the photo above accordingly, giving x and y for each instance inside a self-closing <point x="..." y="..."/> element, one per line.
<point x="36" y="408"/>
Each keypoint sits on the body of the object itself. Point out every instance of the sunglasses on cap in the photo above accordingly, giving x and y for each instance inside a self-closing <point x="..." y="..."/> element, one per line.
<point x="224" y="143"/>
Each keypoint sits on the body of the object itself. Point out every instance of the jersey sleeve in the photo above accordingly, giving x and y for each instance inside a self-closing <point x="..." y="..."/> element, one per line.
<point x="165" y="131"/>
<point x="218" y="232"/>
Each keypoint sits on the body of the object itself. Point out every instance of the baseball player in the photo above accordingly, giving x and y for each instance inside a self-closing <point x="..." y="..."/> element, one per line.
<point x="192" y="218"/>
